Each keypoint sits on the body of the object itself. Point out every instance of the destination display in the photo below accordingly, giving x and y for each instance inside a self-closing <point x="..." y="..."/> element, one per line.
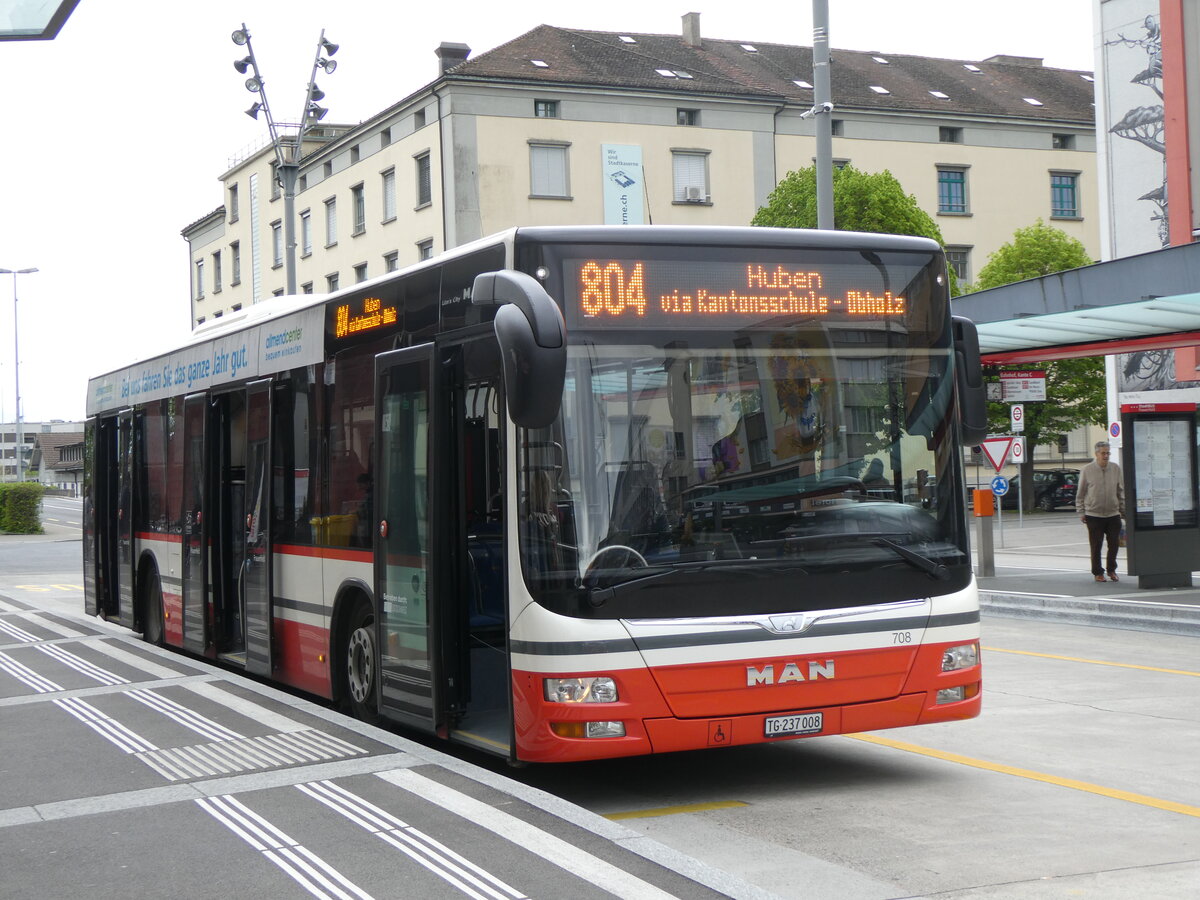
<point x="634" y="293"/>
<point x="356" y="317"/>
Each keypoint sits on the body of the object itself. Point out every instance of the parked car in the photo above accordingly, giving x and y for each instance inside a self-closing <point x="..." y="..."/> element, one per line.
<point x="1052" y="489"/>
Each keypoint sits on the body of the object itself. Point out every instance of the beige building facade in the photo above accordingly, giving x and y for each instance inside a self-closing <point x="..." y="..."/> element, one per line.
<point x="522" y="135"/>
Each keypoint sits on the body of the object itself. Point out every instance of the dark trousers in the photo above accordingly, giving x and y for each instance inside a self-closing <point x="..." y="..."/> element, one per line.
<point x="1099" y="528"/>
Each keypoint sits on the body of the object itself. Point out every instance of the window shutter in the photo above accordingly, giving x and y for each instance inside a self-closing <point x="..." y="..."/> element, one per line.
<point x="689" y="172"/>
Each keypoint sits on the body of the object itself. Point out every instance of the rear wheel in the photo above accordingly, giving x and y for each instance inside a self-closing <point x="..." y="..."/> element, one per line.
<point x="152" y="612"/>
<point x="1046" y="503"/>
<point x="361" y="664"/>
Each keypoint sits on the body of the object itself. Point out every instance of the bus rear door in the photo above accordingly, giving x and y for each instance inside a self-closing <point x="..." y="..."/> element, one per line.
<point x="404" y="596"/>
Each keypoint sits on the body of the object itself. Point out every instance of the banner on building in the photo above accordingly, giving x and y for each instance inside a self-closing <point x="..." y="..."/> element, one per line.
<point x="624" y="186"/>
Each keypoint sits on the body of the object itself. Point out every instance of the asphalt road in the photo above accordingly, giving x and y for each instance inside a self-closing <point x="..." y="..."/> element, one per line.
<point x="1079" y="780"/>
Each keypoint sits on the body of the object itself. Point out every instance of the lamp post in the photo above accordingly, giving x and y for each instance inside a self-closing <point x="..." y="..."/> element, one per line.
<point x="17" y="361"/>
<point x="288" y="149"/>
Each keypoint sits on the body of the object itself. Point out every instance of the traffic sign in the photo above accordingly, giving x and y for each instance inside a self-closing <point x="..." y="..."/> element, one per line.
<point x="1017" y="452"/>
<point x="1115" y="429"/>
<point x="999" y="485"/>
<point x="996" y="450"/>
<point x="1018" y="417"/>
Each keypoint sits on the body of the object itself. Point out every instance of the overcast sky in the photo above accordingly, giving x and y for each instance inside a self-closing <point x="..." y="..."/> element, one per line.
<point x="116" y="133"/>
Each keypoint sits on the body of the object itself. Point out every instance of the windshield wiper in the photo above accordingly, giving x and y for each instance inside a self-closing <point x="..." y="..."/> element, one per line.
<point x="930" y="567"/>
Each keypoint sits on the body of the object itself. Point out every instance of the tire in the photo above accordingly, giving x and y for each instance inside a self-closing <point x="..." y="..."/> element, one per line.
<point x="153" y="627"/>
<point x="1046" y="504"/>
<point x="360" y="664"/>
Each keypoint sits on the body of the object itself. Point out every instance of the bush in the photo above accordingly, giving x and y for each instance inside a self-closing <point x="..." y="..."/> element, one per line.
<point x="21" y="508"/>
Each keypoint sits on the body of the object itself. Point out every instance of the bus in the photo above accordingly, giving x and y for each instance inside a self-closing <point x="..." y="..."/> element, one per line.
<point x="566" y="493"/>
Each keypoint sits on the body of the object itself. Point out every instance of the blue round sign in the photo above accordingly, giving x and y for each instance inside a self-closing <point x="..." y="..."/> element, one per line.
<point x="999" y="485"/>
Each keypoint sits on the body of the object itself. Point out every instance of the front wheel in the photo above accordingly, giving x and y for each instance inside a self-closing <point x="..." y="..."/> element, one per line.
<point x="152" y="612"/>
<point x="1046" y="504"/>
<point x="361" y="665"/>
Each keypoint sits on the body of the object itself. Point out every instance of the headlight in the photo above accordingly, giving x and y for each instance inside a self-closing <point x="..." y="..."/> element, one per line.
<point x="961" y="657"/>
<point x="597" y="689"/>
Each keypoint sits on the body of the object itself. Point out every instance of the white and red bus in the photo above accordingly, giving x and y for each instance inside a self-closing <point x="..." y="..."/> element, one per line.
<point x="568" y="492"/>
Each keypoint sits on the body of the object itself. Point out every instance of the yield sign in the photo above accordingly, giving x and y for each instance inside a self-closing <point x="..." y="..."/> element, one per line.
<point x="996" y="450"/>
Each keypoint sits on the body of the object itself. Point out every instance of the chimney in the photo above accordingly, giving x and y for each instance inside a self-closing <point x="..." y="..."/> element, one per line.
<point x="450" y="55"/>
<point x="691" y="30"/>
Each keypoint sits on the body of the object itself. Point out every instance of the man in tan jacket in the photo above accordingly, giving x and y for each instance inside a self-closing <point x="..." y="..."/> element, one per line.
<point x="1100" y="502"/>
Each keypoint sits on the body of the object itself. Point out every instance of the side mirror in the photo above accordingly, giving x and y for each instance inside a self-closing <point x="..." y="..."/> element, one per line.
<point x="533" y="344"/>
<point x="972" y="396"/>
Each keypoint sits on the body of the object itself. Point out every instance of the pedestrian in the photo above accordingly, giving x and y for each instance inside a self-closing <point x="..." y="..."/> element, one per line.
<point x="1100" y="502"/>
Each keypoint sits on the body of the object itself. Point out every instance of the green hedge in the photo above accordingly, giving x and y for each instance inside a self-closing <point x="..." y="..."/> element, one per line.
<point x="21" y="508"/>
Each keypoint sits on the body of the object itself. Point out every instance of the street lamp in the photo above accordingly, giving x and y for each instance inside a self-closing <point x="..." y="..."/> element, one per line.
<point x="289" y="149"/>
<point x="17" y="361"/>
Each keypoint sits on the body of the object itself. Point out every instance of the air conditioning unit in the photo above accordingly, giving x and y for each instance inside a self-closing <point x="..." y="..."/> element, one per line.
<point x="693" y="194"/>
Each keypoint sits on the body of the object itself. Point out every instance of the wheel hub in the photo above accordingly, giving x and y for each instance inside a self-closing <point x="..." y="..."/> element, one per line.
<point x="360" y="664"/>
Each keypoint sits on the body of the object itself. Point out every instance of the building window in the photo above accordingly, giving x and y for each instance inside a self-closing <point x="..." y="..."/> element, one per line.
<point x="233" y="203"/>
<point x="235" y="263"/>
<point x="425" y="249"/>
<point x="217" y="272"/>
<point x="276" y="244"/>
<point x="331" y="282"/>
<point x="306" y="288"/>
<point x="385" y="137"/>
<point x="837" y="127"/>
<point x="545" y="109"/>
<point x="690" y="176"/>
<point x="328" y="169"/>
<point x="549" y="173"/>
<point x="1062" y="141"/>
<point x="306" y="233"/>
<point x="358" y="201"/>
<point x="199" y="286"/>
<point x="360" y="273"/>
<point x="274" y="181"/>
<point x="389" y="195"/>
<point x="952" y="190"/>
<point x="687" y="117"/>
<point x="331" y="221"/>
<point x="1064" y="195"/>
<point x="354" y="154"/>
<point x="949" y="135"/>
<point x="391" y="261"/>
<point x="424" y="187"/>
<point x="960" y="259"/>
<point x="418" y="119"/>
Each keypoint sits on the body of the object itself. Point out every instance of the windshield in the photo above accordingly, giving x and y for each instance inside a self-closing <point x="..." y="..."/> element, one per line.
<point x="792" y="449"/>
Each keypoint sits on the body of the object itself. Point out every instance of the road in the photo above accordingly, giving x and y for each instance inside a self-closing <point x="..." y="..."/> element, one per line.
<point x="1080" y="778"/>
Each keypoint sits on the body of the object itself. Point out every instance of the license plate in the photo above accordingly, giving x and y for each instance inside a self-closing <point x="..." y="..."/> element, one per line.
<point x="785" y="726"/>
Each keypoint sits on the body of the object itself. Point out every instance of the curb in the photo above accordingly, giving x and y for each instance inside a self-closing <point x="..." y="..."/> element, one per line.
<point x="1137" y="615"/>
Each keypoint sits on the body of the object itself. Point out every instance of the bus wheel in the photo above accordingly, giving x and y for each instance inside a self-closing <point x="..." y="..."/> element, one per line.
<point x="152" y="612"/>
<point x="361" y="665"/>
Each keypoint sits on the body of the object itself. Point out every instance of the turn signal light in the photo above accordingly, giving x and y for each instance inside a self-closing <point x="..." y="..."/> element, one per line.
<point x="588" y="729"/>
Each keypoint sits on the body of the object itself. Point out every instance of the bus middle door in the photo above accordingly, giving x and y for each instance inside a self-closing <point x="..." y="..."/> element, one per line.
<point x="410" y="683"/>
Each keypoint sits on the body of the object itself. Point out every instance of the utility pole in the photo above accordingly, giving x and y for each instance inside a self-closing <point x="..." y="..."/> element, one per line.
<point x="823" y="112"/>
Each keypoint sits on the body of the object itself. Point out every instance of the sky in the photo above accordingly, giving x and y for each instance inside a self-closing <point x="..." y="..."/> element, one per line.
<point x="115" y="135"/>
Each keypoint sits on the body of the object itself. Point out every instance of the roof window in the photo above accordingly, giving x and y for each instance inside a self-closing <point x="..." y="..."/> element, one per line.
<point x="940" y="95"/>
<point x="879" y="90"/>
<point x="665" y="73"/>
<point x="970" y="67"/>
<point x="1033" y="101"/>
<point x="803" y="84"/>
<point x="626" y="39"/>
<point x="540" y="63"/>
<point x="881" y="60"/>
<point x="749" y="48"/>
<point x="679" y="74"/>
<point x="1087" y="77"/>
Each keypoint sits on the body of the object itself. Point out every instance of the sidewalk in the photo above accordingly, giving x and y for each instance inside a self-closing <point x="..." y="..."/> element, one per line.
<point x="1042" y="571"/>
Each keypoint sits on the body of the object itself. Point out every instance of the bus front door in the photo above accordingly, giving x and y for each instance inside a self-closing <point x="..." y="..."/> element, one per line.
<point x="404" y="597"/>
<point x="256" y="565"/>
<point x="195" y="544"/>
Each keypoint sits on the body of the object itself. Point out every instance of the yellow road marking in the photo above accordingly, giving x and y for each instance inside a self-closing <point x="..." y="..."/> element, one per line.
<point x="1127" y="796"/>
<point x="1094" y="662"/>
<point x="673" y="810"/>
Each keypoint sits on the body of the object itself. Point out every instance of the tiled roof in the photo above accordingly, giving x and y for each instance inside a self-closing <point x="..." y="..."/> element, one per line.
<point x="998" y="86"/>
<point x="50" y="445"/>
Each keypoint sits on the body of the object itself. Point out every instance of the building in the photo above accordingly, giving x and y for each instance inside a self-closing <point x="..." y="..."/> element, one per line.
<point x="57" y="460"/>
<point x="562" y="126"/>
<point x="30" y="431"/>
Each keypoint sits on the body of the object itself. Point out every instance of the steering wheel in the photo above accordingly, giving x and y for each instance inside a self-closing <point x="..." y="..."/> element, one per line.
<point x="633" y="559"/>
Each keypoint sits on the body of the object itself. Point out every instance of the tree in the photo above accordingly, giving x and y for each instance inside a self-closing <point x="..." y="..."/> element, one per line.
<point x="1036" y="250"/>
<point x="862" y="201"/>
<point x="1075" y="389"/>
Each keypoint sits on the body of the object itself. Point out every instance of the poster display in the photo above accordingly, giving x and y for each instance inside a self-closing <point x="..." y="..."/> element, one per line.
<point x="1163" y="472"/>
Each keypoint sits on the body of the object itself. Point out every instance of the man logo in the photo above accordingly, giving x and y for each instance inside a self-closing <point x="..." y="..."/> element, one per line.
<point x="791" y="672"/>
